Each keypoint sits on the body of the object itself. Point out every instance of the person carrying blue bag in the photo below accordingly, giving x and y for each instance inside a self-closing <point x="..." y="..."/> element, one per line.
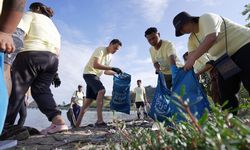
<point x="163" y="54"/>
<point x="185" y="84"/>
<point x="120" y="95"/>
<point x="96" y="66"/>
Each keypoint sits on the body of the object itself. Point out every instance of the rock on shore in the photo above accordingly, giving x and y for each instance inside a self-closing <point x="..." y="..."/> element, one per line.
<point x="86" y="137"/>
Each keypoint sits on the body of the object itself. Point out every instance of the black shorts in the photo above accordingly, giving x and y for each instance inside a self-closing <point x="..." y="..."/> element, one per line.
<point x="139" y="104"/>
<point x="94" y="85"/>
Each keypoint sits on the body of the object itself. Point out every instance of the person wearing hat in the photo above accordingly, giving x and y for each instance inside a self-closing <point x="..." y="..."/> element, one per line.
<point x="163" y="54"/>
<point x="208" y="34"/>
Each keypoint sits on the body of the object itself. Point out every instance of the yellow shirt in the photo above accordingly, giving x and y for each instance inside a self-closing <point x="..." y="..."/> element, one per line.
<point x="237" y="35"/>
<point x="21" y="24"/>
<point x="162" y="56"/>
<point x="1" y="6"/>
<point x="104" y="58"/>
<point x="41" y="33"/>
<point x="139" y="94"/>
<point x="200" y="63"/>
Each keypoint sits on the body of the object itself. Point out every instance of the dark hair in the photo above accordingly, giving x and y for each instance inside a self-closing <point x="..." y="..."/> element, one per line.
<point x="47" y="11"/>
<point x="139" y="81"/>
<point x="185" y="55"/>
<point x="196" y="20"/>
<point x="79" y="86"/>
<point x="35" y="5"/>
<point x="116" y="41"/>
<point x="150" y="31"/>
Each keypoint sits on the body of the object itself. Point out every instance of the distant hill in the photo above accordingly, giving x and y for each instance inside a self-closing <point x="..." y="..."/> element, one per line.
<point x="150" y="91"/>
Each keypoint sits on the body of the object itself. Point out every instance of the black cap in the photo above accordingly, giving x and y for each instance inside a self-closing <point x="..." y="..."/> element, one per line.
<point x="180" y="19"/>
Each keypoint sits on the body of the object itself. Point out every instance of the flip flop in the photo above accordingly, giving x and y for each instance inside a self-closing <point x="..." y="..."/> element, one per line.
<point x="53" y="128"/>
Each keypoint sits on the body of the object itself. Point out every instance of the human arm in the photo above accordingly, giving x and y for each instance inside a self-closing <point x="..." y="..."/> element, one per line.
<point x="11" y="15"/>
<point x="157" y="67"/>
<point x="172" y="59"/>
<point x="108" y="70"/>
<point x="208" y="42"/>
<point x="145" y="96"/>
<point x="210" y="26"/>
<point x="73" y="99"/>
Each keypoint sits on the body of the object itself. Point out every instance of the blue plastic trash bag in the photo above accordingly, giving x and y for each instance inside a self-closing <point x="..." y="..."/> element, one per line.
<point x="193" y="94"/>
<point x="3" y="94"/>
<point x="120" y="95"/>
<point x="162" y="106"/>
<point x="165" y="103"/>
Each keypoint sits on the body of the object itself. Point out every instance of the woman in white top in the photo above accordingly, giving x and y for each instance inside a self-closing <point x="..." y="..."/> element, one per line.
<point x="35" y="67"/>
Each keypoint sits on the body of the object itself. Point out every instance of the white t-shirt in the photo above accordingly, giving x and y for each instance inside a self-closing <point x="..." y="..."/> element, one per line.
<point x="1" y="6"/>
<point x="139" y="94"/>
<point x="78" y="97"/>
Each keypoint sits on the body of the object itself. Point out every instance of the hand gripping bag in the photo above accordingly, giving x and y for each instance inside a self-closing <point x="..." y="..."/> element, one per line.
<point x="185" y="84"/>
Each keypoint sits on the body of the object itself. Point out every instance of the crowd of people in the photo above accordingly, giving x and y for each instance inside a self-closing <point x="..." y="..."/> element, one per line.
<point x="31" y="61"/>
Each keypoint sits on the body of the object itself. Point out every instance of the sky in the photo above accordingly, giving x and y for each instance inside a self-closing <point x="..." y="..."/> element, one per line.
<point x="85" y="25"/>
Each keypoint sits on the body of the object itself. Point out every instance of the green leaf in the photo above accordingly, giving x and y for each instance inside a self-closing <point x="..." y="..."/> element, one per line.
<point x="183" y="89"/>
<point x="204" y="118"/>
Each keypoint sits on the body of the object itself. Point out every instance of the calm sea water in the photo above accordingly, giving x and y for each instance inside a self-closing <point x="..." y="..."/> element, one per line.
<point x="39" y="121"/>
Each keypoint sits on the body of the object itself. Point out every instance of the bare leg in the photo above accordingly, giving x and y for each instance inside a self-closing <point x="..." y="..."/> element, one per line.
<point x="99" y="101"/>
<point x="84" y="108"/>
<point x="58" y="120"/>
<point x="138" y="112"/>
<point x="7" y="77"/>
<point x="145" y="112"/>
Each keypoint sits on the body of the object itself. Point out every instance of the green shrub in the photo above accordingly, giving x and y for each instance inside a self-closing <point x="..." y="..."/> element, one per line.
<point x="218" y="130"/>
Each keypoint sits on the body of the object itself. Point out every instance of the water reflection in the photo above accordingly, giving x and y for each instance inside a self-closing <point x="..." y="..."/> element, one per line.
<point x="38" y="120"/>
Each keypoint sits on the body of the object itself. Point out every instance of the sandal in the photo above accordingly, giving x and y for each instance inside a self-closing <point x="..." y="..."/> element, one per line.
<point x="102" y="124"/>
<point x="53" y="128"/>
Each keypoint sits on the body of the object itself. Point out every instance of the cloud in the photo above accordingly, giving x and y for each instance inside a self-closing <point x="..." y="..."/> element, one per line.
<point x="181" y="48"/>
<point x="107" y="30"/>
<point x="76" y="51"/>
<point x="206" y="2"/>
<point x="74" y="56"/>
<point x="151" y="10"/>
<point x="70" y="33"/>
<point x="72" y="59"/>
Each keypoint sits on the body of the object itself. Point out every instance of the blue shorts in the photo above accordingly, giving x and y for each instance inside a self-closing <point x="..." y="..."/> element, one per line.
<point x="94" y="85"/>
<point x="17" y="36"/>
